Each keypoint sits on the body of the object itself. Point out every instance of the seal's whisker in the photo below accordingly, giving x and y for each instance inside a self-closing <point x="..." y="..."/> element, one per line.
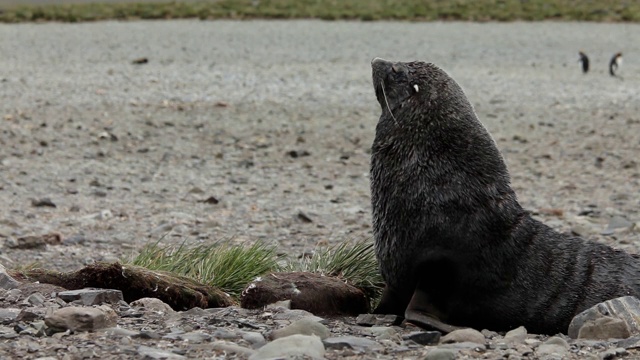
<point x="387" y="102"/>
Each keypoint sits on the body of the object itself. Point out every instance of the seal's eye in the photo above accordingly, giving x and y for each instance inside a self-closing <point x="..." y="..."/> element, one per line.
<point x="416" y="88"/>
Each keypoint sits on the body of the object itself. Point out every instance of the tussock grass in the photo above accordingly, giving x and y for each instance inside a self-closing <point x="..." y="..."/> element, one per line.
<point x="223" y="265"/>
<point x="232" y="267"/>
<point x="355" y="263"/>
<point x="415" y="10"/>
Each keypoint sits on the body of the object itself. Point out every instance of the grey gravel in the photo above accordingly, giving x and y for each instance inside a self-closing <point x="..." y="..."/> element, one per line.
<point x="127" y="153"/>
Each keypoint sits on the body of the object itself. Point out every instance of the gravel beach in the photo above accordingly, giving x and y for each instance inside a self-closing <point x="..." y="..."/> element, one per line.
<point x="275" y="118"/>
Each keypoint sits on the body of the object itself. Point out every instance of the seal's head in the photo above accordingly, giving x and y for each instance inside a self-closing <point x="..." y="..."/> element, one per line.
<point x="413" y="84"/>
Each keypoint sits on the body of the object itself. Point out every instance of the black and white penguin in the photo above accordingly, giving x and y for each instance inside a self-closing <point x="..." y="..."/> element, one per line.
<point x="615" y="63"/>
<point x="584" y="59"/>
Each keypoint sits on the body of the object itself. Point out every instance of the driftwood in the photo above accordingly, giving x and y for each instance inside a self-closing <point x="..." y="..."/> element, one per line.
<point x="321" y="295"/>
<point x="179" y="292"/>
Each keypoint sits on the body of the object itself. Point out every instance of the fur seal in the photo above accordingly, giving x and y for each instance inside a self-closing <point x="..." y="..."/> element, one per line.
<point x="584" y="60"/>
<point x="453" y="244"/>
<point x="615" y="63"/>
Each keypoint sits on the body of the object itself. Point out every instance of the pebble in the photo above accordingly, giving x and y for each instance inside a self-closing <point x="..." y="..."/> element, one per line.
<point x="441" y="354"/>
<point x="359" y="344"/>
<point x="423" y="337"/>
<point x="463" y="335"/>
<point x="232" y="348"/>
<point x="305" y="326"/>
<point x="378" y="320"/>
<point x="7" y="282"/>
<point x="7" y="316"/>
<point x="517" y="335"/>
<point x="553" y="346"/>
<point x="291" y="346"/>
<point x="90" y="297"/>
<point x="147" y="352"/>
<point x="153" y="305"/>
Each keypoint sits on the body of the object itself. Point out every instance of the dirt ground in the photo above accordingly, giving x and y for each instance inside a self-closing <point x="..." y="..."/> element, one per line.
<point x="271" y="122"/>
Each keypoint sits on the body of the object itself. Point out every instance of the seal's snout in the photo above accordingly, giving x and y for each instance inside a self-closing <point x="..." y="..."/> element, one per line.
<point x="379" y="62"/>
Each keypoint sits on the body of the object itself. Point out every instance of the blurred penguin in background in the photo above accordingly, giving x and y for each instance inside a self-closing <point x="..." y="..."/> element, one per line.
<point x="584" y="60"/>
<point x="615" y="63"/>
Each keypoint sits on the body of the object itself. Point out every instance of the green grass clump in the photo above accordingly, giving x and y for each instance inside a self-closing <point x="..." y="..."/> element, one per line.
<point x="355" y="263"/>
<point x="232" y="267"/>
<point x="223" y="265"/>
<point x="414" y="10"/>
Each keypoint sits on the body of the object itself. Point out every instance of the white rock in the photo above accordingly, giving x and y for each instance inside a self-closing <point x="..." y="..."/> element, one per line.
<point x="291" y="346"/>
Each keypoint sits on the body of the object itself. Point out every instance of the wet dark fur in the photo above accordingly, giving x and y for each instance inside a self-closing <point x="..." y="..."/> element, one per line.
<point x="449" y="230"/>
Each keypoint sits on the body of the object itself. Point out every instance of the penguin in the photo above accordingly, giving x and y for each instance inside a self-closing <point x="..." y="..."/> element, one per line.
<point x="585" y="62"/>
<point x="615" y="63"/>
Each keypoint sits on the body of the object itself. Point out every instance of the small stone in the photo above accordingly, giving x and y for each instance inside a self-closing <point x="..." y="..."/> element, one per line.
<point x="7" y="316"/>
<point x="81" y="318"/>
<point x="463" y="335"/>
<point x="553" y="346"/>
<point x="441" y="354"/>
<point x="230" y="347"/>
<point x="382" y="332"/>
<point x="35" y="299"/>
<point x="378" y="320"/>
<point x="27" y="243"/>
<point x="291" y="346"/>
<point x="423" y="337"/>
<point x="90" y="297"/>
<point x="295" y="314"/>
<point x="254" y="338"/>
<point x="224" y="334"/>
<point x="303" y="326"/>
<point x="612" y="353"/>
<point x="359" y="344"/>
<point x="153" y="305"/>
<point x="7" y="282"/>
<point x="630" y="343"/>
<point x="517" y="335"/>
<point x="153" y="353"/>
<point x="7" y="333"/>
<point x="195" y="337"/>
<point x="625" y="308"/>
<point x="286" y="304"/>
<point x="116" y="331"/>
<point x="43" y="202"/>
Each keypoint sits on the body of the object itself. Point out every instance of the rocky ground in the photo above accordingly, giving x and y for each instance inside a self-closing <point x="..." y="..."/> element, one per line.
<point x="113" y="134"/>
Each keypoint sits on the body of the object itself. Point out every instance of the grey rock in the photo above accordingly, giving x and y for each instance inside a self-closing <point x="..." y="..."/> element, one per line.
<point x="224" y="334"/>
<point x="465" y="345"/>
<point x="441" y="354"/>
<point x="7" y="333"/>
<point x="626" y="308"/>
<point x="284" y="304"/>
<point x="152" y="305"/>
<point x="305" y="326"/>
<point x="378" y="320"/>
<point x="382" y="333"/>
<point x="554" y="346"/>
<point x="359" y="344"/>
<point x="630" y="343"/>
<point x="463" y="335"/>
<point x="254" y="338"/>
<point x="230" y="347"/>
<point x="423" y="337"/>
<point x="295" y="314"/>
<point x="617" y="224"/>
<point x="7" y="281"/>
<point x="117" y="331"/>
<point x="195" y="337"/>
<point x="36" y="299"/>
<point x="153" y="353"/>
<point x="604" y="328"/>
<point x="90" y="297"/>
<point x="291" y="346"/>
<point x="7" y="316"/>
<point x="81" y="318"/>
<point x="612" y="353"/>
<point x="516" y="335"/>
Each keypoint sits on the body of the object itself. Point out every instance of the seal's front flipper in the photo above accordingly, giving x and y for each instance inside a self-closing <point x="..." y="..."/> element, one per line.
<point x="422" y="313"/>
<point x="393" y="302"/>
<point x="428" y="322"/>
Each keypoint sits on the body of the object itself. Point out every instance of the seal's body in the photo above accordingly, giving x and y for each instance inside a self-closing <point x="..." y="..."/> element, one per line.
<point x="454" y="245"/>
